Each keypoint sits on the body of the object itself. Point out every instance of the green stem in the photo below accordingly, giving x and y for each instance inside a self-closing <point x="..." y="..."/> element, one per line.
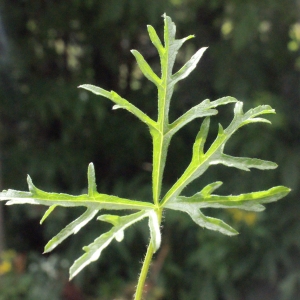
<point x="146" y="265"/>
<point x="160" y="146"/>
<point x="144" y="272"/>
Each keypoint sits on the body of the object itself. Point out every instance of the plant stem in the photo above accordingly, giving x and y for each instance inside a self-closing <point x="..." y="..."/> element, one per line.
<point x="146" y="264"/>
<point x="144" y="272"/>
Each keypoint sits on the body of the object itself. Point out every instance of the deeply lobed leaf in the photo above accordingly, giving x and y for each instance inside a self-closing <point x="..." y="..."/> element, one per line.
<point x="204" y="199"/>
<point x="162" y="132"/>
<point x="94" y="202"/>
<point x="201" y="161"/>
<point x="250" y="201"/>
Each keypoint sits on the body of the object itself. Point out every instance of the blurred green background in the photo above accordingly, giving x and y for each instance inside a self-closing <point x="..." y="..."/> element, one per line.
<point x="52" y="130"/>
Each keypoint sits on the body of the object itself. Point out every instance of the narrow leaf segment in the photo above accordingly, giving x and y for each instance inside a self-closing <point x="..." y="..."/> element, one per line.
<point x="93" y="251"/>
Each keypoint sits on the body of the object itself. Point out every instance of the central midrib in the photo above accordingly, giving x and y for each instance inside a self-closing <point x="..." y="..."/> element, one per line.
<point x="162" y="120"/>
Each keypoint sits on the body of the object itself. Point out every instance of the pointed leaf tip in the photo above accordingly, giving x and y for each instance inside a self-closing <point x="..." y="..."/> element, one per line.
<point x="119" y="236"/>
<point x="96" y="90"/>
<point x="145" y="68"/>
<point x="238" y="108"/>
<point x="92" y="187"/>
<point x="31" y="186"/>
<point x="189" y="66"/>
<point x="116" y="107"/>
<point x="47" y="213"/>
<point x="220" y="129"/>
<point x="210" y="188"/>
<point x="155" y="39"/>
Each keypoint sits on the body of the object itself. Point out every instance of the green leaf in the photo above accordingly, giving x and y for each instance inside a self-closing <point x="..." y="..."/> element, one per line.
<point x="92" y="187"/>
<point x="198" y="147"/>
<point x="120" y="103"/>
<point x="114" y="220"/>
<point x="188" y="67"/>
<point x="156" y="40"/>
<point x="162" y="132"/>
<point x="214" y="155"/>
<point x="93" y="200"/>
<point x="96" y="90"/>
<point x="207" y="190"/>
<point x="93" y="251"/>
<point x="208" y="222"/>
<point x="47" y="213"/>
<point x="249" y="201"/>
<point x="171" y="44"/>
<point x="204" y="109"/>
<point x="70" y="229"/>
<point x="244" y="163"/>
<point x="145" y="68"/>
<point x="250" y="116"/>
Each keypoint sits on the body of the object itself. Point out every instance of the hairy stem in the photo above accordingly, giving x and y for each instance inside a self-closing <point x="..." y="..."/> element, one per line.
<point x="160" y="147"/>
<point x="146" y="264"/>
<point x="144" y="272"/>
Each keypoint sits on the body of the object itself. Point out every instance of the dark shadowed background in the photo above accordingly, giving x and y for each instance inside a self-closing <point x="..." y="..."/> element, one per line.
<point x="52" y="130"/>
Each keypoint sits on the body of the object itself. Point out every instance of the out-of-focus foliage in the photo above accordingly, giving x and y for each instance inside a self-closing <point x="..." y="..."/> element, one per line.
<point x="52" y="46"/>
<point x="43" y="278"/>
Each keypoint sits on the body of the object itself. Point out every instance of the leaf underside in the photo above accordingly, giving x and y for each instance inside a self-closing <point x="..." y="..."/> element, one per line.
<point x="162" y="132"/>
